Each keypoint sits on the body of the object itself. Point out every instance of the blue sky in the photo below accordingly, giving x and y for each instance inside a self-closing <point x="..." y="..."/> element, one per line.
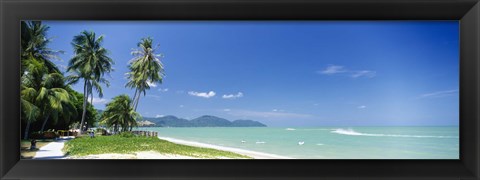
<point x="289" y="74"/>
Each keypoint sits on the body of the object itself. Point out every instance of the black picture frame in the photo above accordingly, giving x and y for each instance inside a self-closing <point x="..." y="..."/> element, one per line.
<point x="466" y="11"/>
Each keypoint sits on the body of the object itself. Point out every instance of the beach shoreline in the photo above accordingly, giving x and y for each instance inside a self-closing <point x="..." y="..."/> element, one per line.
<point x="252" y="154"/>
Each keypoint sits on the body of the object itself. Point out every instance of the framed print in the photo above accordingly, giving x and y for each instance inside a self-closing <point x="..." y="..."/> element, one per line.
<point x="247" y="89"/>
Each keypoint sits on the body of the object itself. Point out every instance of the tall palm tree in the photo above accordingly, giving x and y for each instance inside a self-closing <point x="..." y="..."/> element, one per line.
<point x="44" y="94"/>
<point x="34" y="44"/>
<point x="145" y="69"/>
<point x="90" y="63"/>
<point x="119" y="114"/>
<point x="55" y="100"/>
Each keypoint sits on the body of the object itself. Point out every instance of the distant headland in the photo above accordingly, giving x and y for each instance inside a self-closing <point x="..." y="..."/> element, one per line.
<point x="202" y="121"/>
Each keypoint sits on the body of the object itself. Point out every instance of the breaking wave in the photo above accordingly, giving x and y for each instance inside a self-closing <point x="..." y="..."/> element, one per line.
<point x="352" y="132"/>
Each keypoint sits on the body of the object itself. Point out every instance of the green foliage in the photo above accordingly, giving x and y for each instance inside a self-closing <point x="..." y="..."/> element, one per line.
<point x="127" y="134"/>
<point x="119" y="114"/>
<point x="91" y="116"/>
<point x="119" y="144"/>
<point x="145" y="69"/>
<point x="34" y="44"/>
<point x="90" y="63"/>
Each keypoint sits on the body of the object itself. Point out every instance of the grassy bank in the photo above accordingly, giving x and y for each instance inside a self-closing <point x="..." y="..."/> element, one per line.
<point x="129" y="144"/>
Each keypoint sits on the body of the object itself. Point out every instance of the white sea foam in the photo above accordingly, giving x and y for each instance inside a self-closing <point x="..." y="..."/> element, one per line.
<point x="290" y="129"/>
<point x="352" y="132"/>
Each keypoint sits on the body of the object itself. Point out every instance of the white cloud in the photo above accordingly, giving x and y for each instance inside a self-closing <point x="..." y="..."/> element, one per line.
<point x="163" y="89"/>
<point x="226" y="110"/>
<point x="362" y="107"/>
<point x="439" y="94"/>
<point x="364" y="73"/>
<point x="267" y="114"/>
<point x="232" y="96"/>
<point x="159" y="115"/>
<point x="99" y="101"/>
<point x="332" y="69"/>
<point x="181" y="106"/>
<point x="335" y="69"/>
<point x="202" y="94"/>
<point x="151" y="84"/>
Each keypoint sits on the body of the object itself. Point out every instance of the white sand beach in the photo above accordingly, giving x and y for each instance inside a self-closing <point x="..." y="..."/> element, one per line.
<point x="253" y="154"/>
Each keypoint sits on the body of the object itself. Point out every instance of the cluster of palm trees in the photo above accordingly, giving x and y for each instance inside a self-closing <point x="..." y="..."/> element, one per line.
<point x="146" y="69"/>
<point x="46" y="93"/>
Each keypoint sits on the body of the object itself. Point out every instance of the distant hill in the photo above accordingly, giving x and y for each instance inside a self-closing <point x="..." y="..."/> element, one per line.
<point x="202" y="121"/>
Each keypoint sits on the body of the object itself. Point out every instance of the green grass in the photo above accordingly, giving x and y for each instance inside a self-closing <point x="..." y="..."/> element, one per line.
<point x="124" y="145"/>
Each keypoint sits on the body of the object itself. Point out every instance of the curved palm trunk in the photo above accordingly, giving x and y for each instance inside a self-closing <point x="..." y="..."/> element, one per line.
<point x="25" y="136"/>
<point x="138" y="99"/>
<point x="85" y="99"/>
<point x="134" y="97"/>
<point x="136" y="104"/>
<point x="44" y="123"/>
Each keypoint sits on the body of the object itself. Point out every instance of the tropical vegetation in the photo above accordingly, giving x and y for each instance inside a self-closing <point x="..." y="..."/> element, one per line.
<point x="47" y="98"/>
<point x="120" y="115"/>
<point x="90" y="63"/>
<point x="146" y="69"/>
<point x="126" y="143"/>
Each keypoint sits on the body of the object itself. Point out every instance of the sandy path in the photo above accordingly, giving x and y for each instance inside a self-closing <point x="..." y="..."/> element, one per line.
<point x="52" y="150"/>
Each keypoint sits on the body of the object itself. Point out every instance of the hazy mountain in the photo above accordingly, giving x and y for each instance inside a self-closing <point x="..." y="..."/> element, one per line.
<point x="247" y="123"/>
<point x="202" y="121"/>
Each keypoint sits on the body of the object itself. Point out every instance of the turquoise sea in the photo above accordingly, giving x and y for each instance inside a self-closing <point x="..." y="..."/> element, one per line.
<point x="330" y="142"/>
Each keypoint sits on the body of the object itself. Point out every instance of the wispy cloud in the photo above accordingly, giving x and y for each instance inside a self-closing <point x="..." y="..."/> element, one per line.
<point x="439" y="94"/>
<point x="181" y="106"/>
<point x="159" y="115"/>
<point x="163" y="89"/>
<point x="332" y="69"/>
<point x="364" y="73"/>
<point x="335" y="69"/>
<point x="226" y="110"/>
<point x="202" y="94"/>
<point x="362" y="107"/>
<point x="232" y="96"/>
<point x="97" y="101"/>
<point x="267" y="114"/>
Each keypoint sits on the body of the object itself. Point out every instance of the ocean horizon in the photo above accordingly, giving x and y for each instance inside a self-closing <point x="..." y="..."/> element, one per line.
<point x="356" y="142"/>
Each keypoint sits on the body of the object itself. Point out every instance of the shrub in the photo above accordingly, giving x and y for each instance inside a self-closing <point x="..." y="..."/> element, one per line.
<point x="127" y="134"/>
<point x="101" y="131"/>
<point x="44" y="135"/>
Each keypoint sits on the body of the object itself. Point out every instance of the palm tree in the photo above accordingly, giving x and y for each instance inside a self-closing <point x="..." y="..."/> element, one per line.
<point x="145" y="69"/>
<point x="44" y="94"/>
<point x="120" y="114"/>
<point x="90" y="63"/>
<point x="34" y="44"/>
<point x="55" y="100"/>
<point x="35" y="60"/>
